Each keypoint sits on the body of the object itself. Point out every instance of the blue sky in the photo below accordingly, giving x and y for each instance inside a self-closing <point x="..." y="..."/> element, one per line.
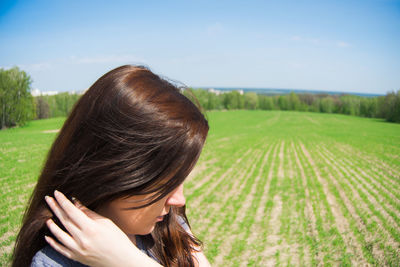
<point x="351" y="46"/>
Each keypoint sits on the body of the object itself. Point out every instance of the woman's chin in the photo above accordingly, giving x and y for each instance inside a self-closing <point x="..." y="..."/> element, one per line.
<point x="145" y="231"/>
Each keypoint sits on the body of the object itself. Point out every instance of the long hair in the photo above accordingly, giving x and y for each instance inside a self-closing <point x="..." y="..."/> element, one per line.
<point x="131" y="133"/>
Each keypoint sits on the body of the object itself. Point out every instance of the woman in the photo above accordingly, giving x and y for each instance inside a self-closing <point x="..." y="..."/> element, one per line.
<point x="124" y="152"/>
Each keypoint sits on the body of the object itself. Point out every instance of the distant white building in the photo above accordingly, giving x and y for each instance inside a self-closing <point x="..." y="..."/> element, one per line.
<point x="218" y="92"/>
<point x="37" y="92"/>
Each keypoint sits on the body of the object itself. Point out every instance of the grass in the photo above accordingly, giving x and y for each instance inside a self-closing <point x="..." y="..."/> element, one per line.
<point x="270" y="188"/>
<point x="22" y="152"/>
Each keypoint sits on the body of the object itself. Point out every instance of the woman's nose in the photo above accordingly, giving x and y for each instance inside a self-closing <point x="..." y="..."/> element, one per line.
<point x="177" y="198"/>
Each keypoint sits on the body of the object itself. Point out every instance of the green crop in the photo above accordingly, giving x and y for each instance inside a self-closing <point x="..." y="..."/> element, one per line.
<point x="270" y="188"/>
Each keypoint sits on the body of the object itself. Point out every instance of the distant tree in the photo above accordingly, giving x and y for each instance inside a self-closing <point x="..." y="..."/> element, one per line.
<point x="207" y="100"/>
<point x="42" y="108"/>
<point x="326" y="105"/>
<point x="16" y="102"/>
<point x="350" y="105"/>
<point x="212" y="101"/>
<point x="61" y="104"/>
<point x="316" y="105"/>
<point x="240" y="100"/>
<point x="391" y="108"/>
<point x="307" y="99"/>
<point x="230" y="101"/>
<point x="293" y="101"/>
<point x="380" y="109"/>
<point x="283" y="102"/>
<point x="266" y="102"/>
<point x="201" y="96"/>
<point x="337" y="104"/>
<point x="368" y="107"/>
<point x="250" y="100"/>
<point x="233" y="100"/>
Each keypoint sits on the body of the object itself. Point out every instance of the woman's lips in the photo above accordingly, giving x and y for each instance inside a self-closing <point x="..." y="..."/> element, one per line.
<point x="160" y="218"/>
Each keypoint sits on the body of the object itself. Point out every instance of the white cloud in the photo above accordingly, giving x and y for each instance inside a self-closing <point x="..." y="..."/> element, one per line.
<point x="342" y="44"/>
<point x="41" y="66"/>
<point x="74" y="60"/>
<point x="6" y="67"/>
<point x="215" y="29"/>
<point x="105" y="59"/>
<point x="296" y="38"/>
<point x="314" y="41"/>
<point x="297" y="65"/>
<point x="319" y="41"/>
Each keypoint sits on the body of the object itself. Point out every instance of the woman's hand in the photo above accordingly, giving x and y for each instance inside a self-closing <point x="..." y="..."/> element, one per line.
<point x="91" y="239"/>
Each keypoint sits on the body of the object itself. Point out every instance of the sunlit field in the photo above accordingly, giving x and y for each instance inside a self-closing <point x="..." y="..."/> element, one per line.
<point x="271" y="188"/>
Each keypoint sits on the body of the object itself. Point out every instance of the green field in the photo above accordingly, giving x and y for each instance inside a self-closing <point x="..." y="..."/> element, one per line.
<point x="271" y="188"/>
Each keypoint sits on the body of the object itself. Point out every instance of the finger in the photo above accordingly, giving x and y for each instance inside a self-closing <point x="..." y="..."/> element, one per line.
<point x="75" y="214"/>
<point x="63" y="217"/>
<point x="58" y="247"/>
<point x="90" y="213"/>
<point x="62" y="236"/>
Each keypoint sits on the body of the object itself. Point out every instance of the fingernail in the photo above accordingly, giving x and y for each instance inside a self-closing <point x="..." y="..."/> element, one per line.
<point x="76" y="202"/>
<point x="57" y="193"/>
<point x="48" y="199"/>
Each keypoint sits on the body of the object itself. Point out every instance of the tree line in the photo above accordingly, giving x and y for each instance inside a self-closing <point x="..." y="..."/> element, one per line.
<point x="387" y="107"/>
<point x="59" y="105"/>
<point x="17" y="105"/>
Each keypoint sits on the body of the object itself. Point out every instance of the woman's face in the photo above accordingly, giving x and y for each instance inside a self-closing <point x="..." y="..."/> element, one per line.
<point x="141" y="221"/>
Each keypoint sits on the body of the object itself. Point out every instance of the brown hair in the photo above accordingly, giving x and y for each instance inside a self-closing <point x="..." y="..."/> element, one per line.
<point x="131" y="133"/>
